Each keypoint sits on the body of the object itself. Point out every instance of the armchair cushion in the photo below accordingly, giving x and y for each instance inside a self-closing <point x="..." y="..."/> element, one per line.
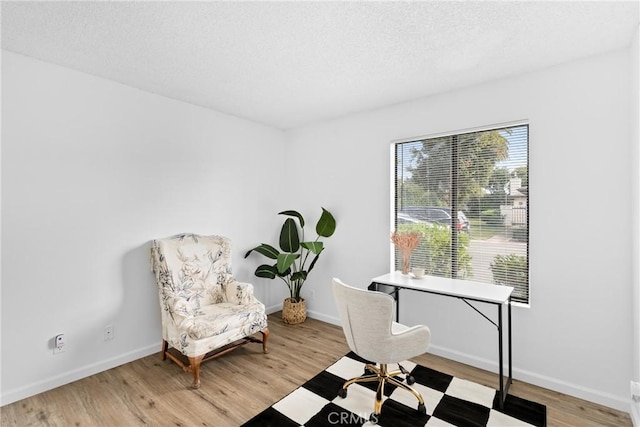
<point x="217" y="319"/>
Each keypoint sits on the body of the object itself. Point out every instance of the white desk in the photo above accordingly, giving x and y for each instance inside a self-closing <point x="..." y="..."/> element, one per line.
<point x="465" y="290"/>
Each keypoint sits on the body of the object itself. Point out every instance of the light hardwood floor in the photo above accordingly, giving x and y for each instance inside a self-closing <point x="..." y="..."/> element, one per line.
<point x="241" y="384"/>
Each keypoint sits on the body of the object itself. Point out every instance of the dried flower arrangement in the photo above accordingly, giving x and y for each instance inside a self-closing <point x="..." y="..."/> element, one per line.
<point x="406" y="244"/>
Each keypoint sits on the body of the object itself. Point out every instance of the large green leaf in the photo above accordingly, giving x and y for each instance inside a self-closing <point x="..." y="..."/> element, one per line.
<point x="285" y="261"/>
<point x="266" y="271"/>
<point x="266" y="250"/>
<point x="295" y="214"/>
<point x="289" y="240"/>
<point x="326" y="225"/>
<point x="313" y="247"/>
<point x="299" y="275"/>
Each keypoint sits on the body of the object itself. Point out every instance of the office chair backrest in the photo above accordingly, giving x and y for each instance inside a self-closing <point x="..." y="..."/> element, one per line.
<point x="366" y="317"/>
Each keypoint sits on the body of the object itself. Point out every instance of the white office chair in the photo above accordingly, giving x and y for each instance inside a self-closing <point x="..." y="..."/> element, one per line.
<point x="367" y="321"/>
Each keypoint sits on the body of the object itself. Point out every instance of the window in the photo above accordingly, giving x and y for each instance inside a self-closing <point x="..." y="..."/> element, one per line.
<point x="467" y="195"/>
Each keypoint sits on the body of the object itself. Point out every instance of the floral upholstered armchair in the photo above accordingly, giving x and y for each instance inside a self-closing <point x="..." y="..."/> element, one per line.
<point x="205" y="311"/>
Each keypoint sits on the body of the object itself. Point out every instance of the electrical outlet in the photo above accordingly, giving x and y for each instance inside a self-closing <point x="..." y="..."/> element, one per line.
<point x="58" y="344"/>
<point x="108" y="332"/>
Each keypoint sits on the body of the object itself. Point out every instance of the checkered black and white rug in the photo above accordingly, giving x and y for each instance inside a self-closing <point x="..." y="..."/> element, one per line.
<point x="450" y="401"/>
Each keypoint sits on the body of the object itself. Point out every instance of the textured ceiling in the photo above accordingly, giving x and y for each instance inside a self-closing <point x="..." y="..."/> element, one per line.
<point x="286" y="64"/>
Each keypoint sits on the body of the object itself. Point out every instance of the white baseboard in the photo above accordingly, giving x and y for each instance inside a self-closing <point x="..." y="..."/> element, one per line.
<point x="310" y="313"/>
<point x="554" y="384"/>
<point x="320" y="316"/>
<point x="74" y="375"/>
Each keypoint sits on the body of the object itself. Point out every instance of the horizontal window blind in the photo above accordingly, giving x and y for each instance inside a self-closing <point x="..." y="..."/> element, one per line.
<point x="467" y="196"/>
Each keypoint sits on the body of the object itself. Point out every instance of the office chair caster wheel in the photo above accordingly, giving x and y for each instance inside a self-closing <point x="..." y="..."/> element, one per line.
<point x="422" y="409"/>
<point x="411" y="380"/>
<point x="342" y="393"/>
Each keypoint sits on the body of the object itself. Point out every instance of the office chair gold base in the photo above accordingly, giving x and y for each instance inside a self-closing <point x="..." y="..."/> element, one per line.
<point x="382" y="377"/>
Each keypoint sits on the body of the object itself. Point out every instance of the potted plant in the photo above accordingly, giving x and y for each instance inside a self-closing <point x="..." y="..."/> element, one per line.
<point x="295" y="259"/>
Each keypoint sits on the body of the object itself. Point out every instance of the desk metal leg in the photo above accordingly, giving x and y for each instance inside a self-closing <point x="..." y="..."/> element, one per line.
<point x="510" y="358"/>
<point x="504" y="386"/>
<point x="500" y="361"/>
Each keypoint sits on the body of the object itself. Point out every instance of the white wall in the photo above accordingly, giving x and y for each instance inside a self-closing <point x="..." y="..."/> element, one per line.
<point x="635" y="165"/>
<point x="575" y="337"/>
<point x="92" y="171"/>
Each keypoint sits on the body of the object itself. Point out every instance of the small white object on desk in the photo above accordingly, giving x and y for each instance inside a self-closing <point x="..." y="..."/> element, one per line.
<point x="417" y="273"/>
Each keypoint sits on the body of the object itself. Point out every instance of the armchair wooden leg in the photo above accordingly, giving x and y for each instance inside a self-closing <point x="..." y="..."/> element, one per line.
<point x="194" y="366"/>
<point x="165" y="347"/>
<point x="265" y="335"/>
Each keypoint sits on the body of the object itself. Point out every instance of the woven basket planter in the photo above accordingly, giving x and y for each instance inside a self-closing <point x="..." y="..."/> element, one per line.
<point x="294" y="312"/>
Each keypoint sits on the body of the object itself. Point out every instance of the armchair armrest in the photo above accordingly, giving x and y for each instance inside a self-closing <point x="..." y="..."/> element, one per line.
<point x="240" y="293"/>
